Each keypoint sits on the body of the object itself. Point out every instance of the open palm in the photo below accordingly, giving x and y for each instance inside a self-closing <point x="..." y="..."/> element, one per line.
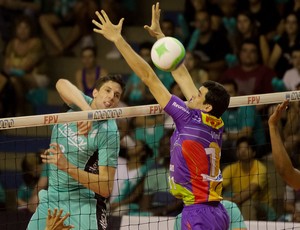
<point x="104" y="26"/>
<point x="155" y="30"/>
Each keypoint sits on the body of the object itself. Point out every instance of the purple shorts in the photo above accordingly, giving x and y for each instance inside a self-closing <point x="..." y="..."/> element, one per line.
<point x="206" y="216"/>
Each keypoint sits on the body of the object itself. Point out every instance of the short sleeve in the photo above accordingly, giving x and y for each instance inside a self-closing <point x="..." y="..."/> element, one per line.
<point x="109" y="145"/>
<point x="86" y="98"/>
<point x="178" y="110"/>
<point x="260" y="177"/>
<point x="44" y="172"/>
<point x="227" y="174"/>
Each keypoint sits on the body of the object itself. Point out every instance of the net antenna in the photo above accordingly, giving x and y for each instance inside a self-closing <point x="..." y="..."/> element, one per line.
<point x="134" y="111"/>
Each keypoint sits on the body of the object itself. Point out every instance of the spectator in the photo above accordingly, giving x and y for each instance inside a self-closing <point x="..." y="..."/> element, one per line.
<point x="193" y="6"/>
<point x="247" y="29"/>
<point x="87" y="76"/>
<point x="250" y="76"/>
<point x="10" y="9"/>
<point x="130" y="173"/>
<point x="291" y="78"/>
<point x="23" y="62"/>
<point x="280" y="59"/>
<point x="136" y="92"/>
<point x="239" y="122"/>
<point x="198" y="75"/>
<point x="77" y="13"/>
<point x="157" y="200"/>
<point x="291" y="205"/>
<point x="2" y="198"/>
<point x="291" y="131"/>
<point x="7" y="96"/>
<point x="245" y="183"/>
<point x="31" y="169"/>
<point x="266" y="15"/>
<point x="205" y="42"/>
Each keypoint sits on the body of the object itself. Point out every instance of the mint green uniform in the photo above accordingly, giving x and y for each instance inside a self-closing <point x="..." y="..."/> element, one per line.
<point x="66" y="193"/>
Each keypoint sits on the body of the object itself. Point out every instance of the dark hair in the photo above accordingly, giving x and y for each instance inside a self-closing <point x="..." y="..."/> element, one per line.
<point x="230" y="82"/>
<point x="249" y="140"/>
<point x="91" y="48"/>
<point x="27" y="20"/>
<point x="29" y="179"/>
<point x="217" y="97"/>
<point x="254" y="42"/>
<point x="253" y="22"/>
<point x="295" y="48"/>
<point x="112" y="77"/>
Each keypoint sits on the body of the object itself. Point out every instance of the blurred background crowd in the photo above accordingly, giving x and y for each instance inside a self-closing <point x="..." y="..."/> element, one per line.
<point x="249" y="46"/>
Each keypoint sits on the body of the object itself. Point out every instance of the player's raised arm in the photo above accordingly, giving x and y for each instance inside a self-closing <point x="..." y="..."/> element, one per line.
<point x="137" y="64"/>
<point x="181" y="74"/>
<point x="281" y="158"/>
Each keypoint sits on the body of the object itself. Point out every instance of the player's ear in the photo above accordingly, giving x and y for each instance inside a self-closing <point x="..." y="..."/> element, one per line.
<point x="208" y="108"/>
<point x="95" y="93"/>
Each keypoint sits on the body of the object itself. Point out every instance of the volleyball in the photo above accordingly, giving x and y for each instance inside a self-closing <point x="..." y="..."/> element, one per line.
<point x="167" y="53"/>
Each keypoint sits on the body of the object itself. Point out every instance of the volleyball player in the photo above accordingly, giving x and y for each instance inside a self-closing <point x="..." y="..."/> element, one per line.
<point x="281" y="158"/>
<point x="71" y="188"/>
<point x="195" y="175"/>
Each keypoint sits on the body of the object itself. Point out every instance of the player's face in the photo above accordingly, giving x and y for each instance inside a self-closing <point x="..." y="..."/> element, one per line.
<point x="196" y="102"/>
<point x="108" y="96"/>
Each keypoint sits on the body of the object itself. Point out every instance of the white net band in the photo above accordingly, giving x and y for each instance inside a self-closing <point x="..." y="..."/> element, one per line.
<point x="133" y="111"/>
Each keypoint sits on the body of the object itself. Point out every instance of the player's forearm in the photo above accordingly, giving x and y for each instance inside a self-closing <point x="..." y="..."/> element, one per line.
<point x="71" y="95"/>
<point x="281" y="158"/>
<point x="100" y="185"/>
<point x="185" y="82"/>
<point x="136" y="63"/>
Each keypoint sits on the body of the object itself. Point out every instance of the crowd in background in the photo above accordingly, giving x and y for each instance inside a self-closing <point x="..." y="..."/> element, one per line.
<point x="249" y="46"/>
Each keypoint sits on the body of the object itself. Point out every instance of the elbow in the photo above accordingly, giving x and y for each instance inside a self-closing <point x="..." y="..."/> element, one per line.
<point x="60" y="83"/>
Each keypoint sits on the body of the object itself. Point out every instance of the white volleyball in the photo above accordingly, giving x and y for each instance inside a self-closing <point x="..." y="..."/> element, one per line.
<point x="167" y="53"/>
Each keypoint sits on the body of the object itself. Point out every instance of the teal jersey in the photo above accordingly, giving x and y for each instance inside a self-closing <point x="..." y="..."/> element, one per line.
<point x="103" y="138"/>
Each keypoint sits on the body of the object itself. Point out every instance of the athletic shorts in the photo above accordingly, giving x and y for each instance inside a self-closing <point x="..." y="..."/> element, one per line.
<point x="205" y="216"/>
<point x="101" y="212"/>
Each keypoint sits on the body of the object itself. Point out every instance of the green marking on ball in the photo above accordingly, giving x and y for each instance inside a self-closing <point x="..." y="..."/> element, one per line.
<point x="161" y="50"/>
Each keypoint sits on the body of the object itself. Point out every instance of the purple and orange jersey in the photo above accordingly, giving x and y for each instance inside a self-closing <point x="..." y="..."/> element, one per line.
<point x="195" y="175"/>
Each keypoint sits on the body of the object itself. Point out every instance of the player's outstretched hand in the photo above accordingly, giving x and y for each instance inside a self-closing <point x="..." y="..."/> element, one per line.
<point x="276" y="115"/>
<point x="155" y="30"/>
<point x="56" y="222"/>
<point x="104" y="26"/>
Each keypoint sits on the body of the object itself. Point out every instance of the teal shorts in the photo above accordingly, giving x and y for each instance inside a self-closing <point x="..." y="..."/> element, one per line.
<point x="82" y="209"/>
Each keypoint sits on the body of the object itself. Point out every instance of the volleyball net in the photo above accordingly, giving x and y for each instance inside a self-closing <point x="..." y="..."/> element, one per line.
<point x="140" y="198"/>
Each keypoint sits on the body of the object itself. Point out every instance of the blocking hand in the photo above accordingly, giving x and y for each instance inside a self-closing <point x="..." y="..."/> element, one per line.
<point x="104" y="26"/>
<point x="155" y="30"/>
